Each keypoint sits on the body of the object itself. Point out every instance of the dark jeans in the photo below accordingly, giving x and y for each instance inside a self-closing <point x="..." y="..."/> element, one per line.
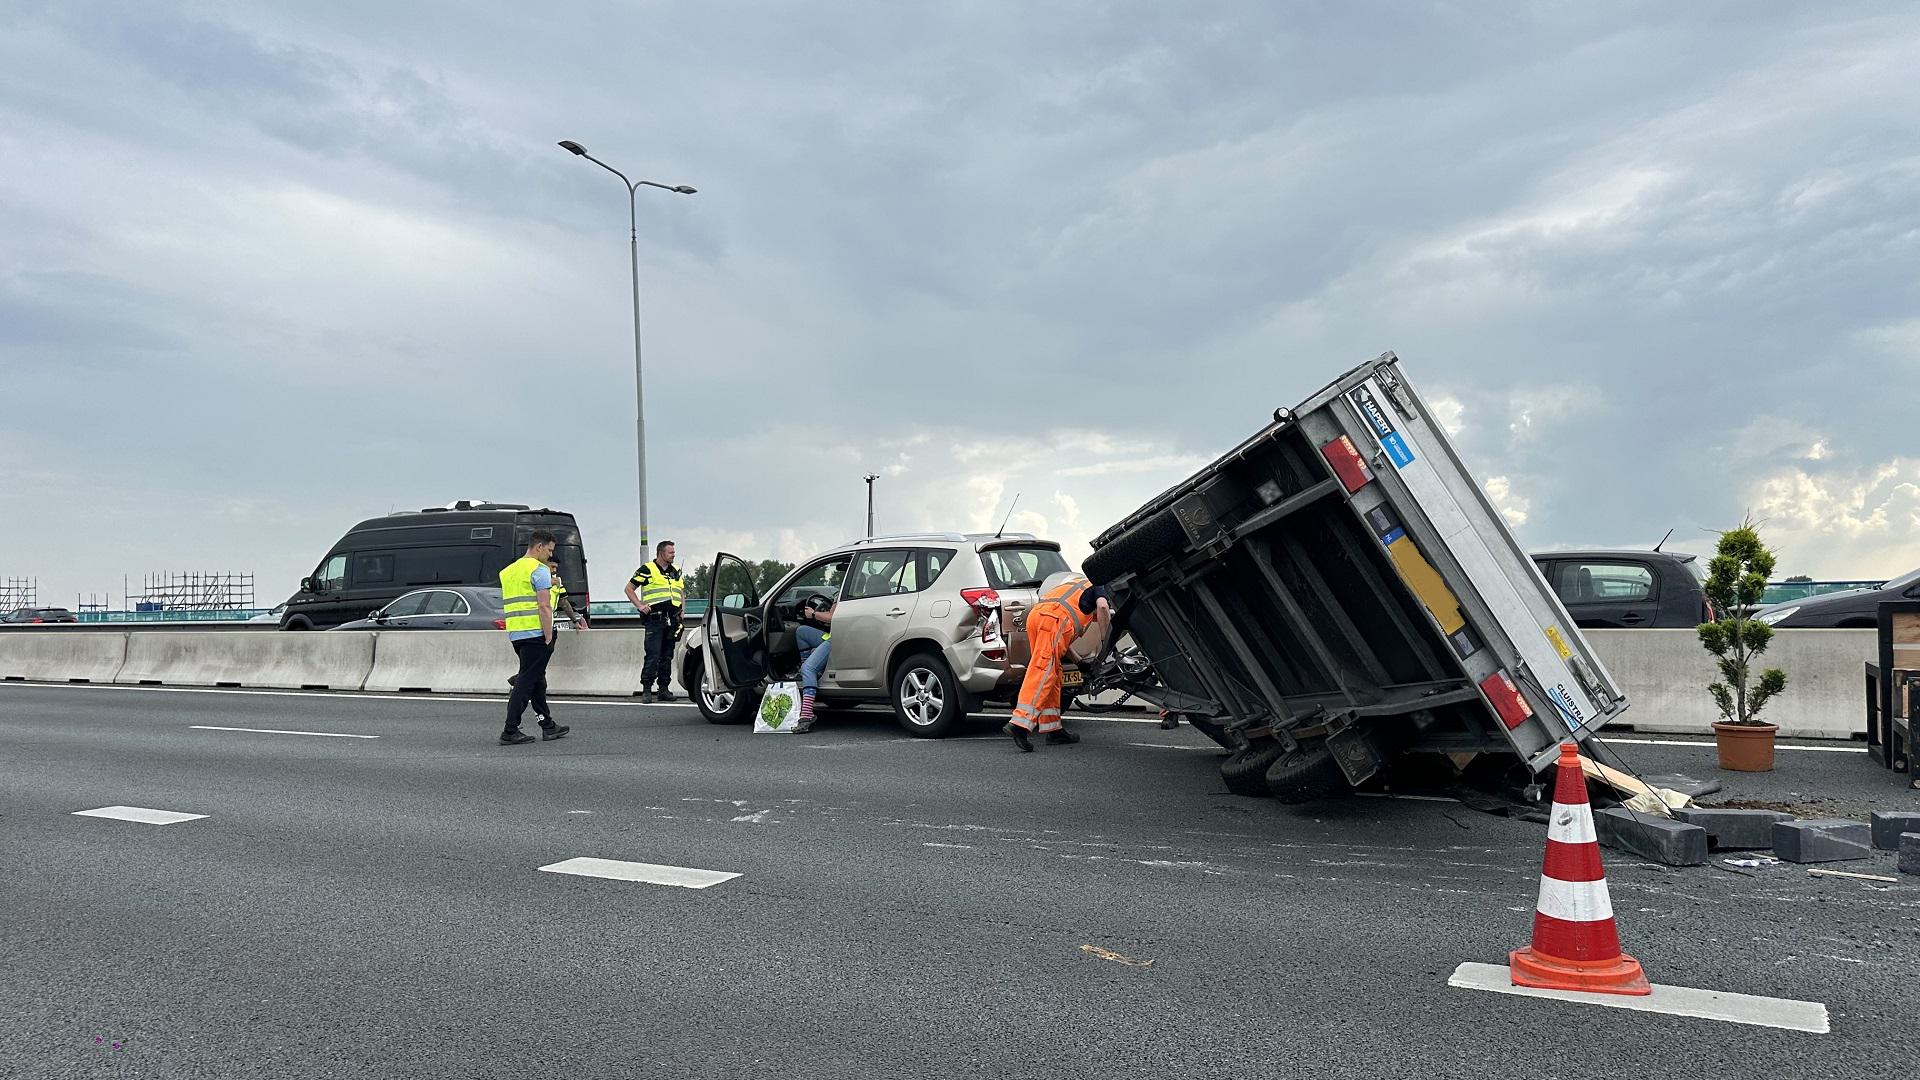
<point x="658" y="667"/>
<point x="531" y="684"/>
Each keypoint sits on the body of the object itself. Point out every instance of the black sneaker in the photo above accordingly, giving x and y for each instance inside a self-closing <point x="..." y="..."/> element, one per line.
<point x="646" y="697"/>
<point x="1063" y="737"/>
<point x="1019" y="736"/>
<point x="514" y="738"/>
<point x="1169" y="721"/>
<point x="554" y="731"/>
<point x="663" y="694"/>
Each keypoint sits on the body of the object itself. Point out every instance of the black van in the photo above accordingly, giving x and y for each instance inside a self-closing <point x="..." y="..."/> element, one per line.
<point x="465" y="543"/>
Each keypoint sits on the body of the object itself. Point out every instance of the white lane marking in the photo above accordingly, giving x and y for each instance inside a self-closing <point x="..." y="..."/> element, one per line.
<point x="1414" y="798"/>
<point x="1604" y="737"/>
<point x="1784" y="1013"/>
<point x="1170" y="746"/>
<point x="685" y="877"/>
<point x="757" y="817"/>
<point x="140" y="814"/>
<point x="275" y="731"/>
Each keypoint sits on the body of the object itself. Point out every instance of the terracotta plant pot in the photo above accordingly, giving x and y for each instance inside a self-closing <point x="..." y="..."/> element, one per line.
<point x="1745" y="747"/>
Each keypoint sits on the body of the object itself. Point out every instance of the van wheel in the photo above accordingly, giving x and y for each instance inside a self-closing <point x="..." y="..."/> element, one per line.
<point x="298" y="622"/>
<point x="1246" y="771"/>
<point x="1147" y="542"/>
<point x="926" y="699"/>
<point x="721" y="706"/>
<point x="1306" y="773"/>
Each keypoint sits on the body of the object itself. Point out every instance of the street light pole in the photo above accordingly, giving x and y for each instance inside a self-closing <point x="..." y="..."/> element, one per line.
<point x="871" y="477"/>
<point x="633" y="260"/>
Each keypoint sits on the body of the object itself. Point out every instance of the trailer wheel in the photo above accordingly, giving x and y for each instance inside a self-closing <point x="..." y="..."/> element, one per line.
<point x="1306" y="773"/>
<point x="1152" y="539"/>
<point x="1246" y="771"/>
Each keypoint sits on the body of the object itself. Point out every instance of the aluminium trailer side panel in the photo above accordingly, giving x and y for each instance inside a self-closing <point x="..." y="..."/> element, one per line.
<point x="1517" y="624"/>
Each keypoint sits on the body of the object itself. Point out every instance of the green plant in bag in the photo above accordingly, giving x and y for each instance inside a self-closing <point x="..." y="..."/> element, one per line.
<point x="774" y="710"/>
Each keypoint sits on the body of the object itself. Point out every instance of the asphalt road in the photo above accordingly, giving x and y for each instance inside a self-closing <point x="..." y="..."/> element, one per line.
<point x="905" y="908"/>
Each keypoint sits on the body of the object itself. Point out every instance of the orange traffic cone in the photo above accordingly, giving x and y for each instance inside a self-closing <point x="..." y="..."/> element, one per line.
<point x="1575" y="944"/>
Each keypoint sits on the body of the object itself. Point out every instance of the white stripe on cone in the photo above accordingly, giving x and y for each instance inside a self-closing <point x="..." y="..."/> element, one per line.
<point x="1575" y="901"/>
<point x="1572" y="824"/>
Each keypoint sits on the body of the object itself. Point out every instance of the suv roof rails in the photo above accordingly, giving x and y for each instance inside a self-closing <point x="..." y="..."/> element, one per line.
<point x="942" y="537"/>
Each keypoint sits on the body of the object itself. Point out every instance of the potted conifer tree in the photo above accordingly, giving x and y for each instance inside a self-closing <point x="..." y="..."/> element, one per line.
<point x="1736" y="579"/>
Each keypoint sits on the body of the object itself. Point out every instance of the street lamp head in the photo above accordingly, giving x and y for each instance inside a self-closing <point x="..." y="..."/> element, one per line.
<point x="685" y="190"/>
<point x="573" y="147"/>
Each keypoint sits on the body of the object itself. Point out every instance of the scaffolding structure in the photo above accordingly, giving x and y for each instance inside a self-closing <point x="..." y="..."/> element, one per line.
<point x="19" y="592"/>
<point x="93" y="602"/>
<point x="172" y="590"/>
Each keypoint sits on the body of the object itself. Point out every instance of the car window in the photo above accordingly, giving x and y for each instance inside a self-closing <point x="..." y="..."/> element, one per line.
<point x="372" y="567"/>
<point x="441" y="602"/>
<point x="1021" y="567"/>
<point x="332" y="577"/>
<point x="877" y="573"/>
<point x="1601" y="582"/>
<point x="824" y="578"/>
<point x="410" y="604"/>
<point x="933" y="563"/>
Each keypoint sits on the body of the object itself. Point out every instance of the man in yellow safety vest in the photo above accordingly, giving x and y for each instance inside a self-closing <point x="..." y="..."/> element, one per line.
<point x="659" y="593"/>
<point x="526" y="591"/>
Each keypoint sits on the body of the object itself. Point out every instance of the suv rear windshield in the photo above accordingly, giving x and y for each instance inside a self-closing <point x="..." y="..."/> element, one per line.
<point x="1021" y="567"/>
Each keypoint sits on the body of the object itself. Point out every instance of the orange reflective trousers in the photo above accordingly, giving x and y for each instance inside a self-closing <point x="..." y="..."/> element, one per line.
<point x="1049" y="634"/>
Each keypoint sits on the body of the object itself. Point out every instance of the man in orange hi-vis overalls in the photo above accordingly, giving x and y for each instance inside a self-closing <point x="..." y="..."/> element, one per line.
<point x="1062" y="614"/>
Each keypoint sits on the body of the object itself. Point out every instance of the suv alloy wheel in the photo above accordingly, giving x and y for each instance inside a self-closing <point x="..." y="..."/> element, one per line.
<point x="927" y="700"/>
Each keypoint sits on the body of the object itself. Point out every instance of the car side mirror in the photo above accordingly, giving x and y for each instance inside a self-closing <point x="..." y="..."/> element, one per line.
<point x="377" y="615"/>
<point x="734" y="600"/>
<point x="307" y="585"/>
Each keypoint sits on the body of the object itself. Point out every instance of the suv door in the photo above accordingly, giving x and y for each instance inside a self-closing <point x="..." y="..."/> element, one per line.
<point x="876" y="607"/>
<point x="735" y="648"/>
<point x="1608" y="593"/>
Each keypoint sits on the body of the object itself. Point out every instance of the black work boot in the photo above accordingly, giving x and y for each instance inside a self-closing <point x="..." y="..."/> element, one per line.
<point x="549" y="732"/>
<point x="1019" y="736"/>
<point x="646" y="697"/>
<point x="1063" y="737"/>
<point x="514" y="737"/>
<point x="663" y="694"/>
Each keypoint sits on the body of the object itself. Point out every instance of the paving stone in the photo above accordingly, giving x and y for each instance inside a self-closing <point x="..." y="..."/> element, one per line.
<point x="1910" y="853"/>
<point x="1734" y="830"/>
<point x="1821" y="840"/>
<point x="1650" y="836"/>
<point x="1889" y="824"/>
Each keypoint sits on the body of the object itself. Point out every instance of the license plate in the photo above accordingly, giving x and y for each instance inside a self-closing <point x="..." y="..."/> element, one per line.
<point x="1072" y="678"/>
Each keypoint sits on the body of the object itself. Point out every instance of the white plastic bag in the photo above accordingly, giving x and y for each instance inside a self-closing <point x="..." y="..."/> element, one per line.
<point x="779" y="711"/>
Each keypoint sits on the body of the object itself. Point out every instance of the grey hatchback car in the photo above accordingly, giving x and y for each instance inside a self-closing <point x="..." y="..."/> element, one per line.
<point x="448" y="607"/>
<point x="932" y="624"/>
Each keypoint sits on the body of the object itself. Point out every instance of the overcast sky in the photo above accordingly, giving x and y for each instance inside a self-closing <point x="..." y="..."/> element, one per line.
<point x="269" y="269"/>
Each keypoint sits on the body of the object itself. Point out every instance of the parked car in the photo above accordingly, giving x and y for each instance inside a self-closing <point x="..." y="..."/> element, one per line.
<point x="39" y="615"/>
<point x="1619" y="589"/>
<point x="1840" y="610"/>
<point x="466" y="543"/>
<point x="463" y="607"/>
<point x="930" y="623"/>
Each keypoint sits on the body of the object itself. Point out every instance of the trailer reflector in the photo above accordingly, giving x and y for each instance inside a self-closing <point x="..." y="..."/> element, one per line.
<point x="1347" y="463"/>
<point x="1505" y="698"/>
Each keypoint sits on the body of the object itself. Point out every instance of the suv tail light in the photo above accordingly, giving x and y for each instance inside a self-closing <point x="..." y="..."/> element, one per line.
<point x="499" y="624"/>
<point x="986" y="606"/>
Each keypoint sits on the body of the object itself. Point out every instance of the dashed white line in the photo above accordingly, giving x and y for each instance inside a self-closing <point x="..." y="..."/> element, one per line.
<point x="141" y="814"/>
<point x="276" y="731"/>
<point x="685" y="877"/>
<point x="1784" y="1013"/>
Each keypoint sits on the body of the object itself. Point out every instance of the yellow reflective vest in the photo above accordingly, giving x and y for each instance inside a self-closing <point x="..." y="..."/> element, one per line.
<point x="657" y="587"/>
<point x="517" y="594"/>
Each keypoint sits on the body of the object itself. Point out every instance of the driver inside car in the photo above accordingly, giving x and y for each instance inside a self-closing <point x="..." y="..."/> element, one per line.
<point x="815" y="638"/>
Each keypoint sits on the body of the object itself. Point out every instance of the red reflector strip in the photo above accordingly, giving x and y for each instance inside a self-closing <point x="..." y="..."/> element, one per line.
<point x="1506" y="700"/>
<point x="1347" y="463"/>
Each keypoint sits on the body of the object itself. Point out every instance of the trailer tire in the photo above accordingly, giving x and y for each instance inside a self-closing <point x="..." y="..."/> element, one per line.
<point x="1306" y="773"/>
<point x="1152" y="539"/>
<point x="1245" y="772"/>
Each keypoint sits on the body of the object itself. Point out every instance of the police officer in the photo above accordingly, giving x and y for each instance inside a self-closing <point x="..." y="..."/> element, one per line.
<point x="659" y="593"/>
<point x="526" y="591"/>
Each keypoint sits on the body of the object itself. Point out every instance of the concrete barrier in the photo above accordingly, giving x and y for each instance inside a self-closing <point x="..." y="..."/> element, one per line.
<point x="61" y="656"/>
<point x="289" y="661"/>
<point x="603" y="663"/>
<point x="1665" y="674"/>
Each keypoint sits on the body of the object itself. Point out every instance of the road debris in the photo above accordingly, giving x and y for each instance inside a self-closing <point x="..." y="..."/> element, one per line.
<point x="1851" y="874"/>
<point x="1109" y="954"/>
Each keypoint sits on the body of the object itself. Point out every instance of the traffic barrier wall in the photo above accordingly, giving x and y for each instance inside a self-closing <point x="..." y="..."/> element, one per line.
<point x="289" y="661"/>
<point x="61" y="656"/>
<point x="1665" y="674"/>
<point x="594" y="662"/>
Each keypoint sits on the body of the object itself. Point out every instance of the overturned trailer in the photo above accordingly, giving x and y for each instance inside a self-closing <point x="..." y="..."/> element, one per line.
<point x="1338" y="591"/>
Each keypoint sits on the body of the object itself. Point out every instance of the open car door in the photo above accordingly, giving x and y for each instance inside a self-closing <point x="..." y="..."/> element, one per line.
<point x="736" y="630"/>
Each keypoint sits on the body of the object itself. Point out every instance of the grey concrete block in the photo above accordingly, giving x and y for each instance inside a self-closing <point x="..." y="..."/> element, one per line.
<point x="1910" y="853"/>
<point x="1733" y="830"/>
<point x="1821" y="840"/>
<point x="1889" y="824"/>
<point x="1650" y="836"/>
